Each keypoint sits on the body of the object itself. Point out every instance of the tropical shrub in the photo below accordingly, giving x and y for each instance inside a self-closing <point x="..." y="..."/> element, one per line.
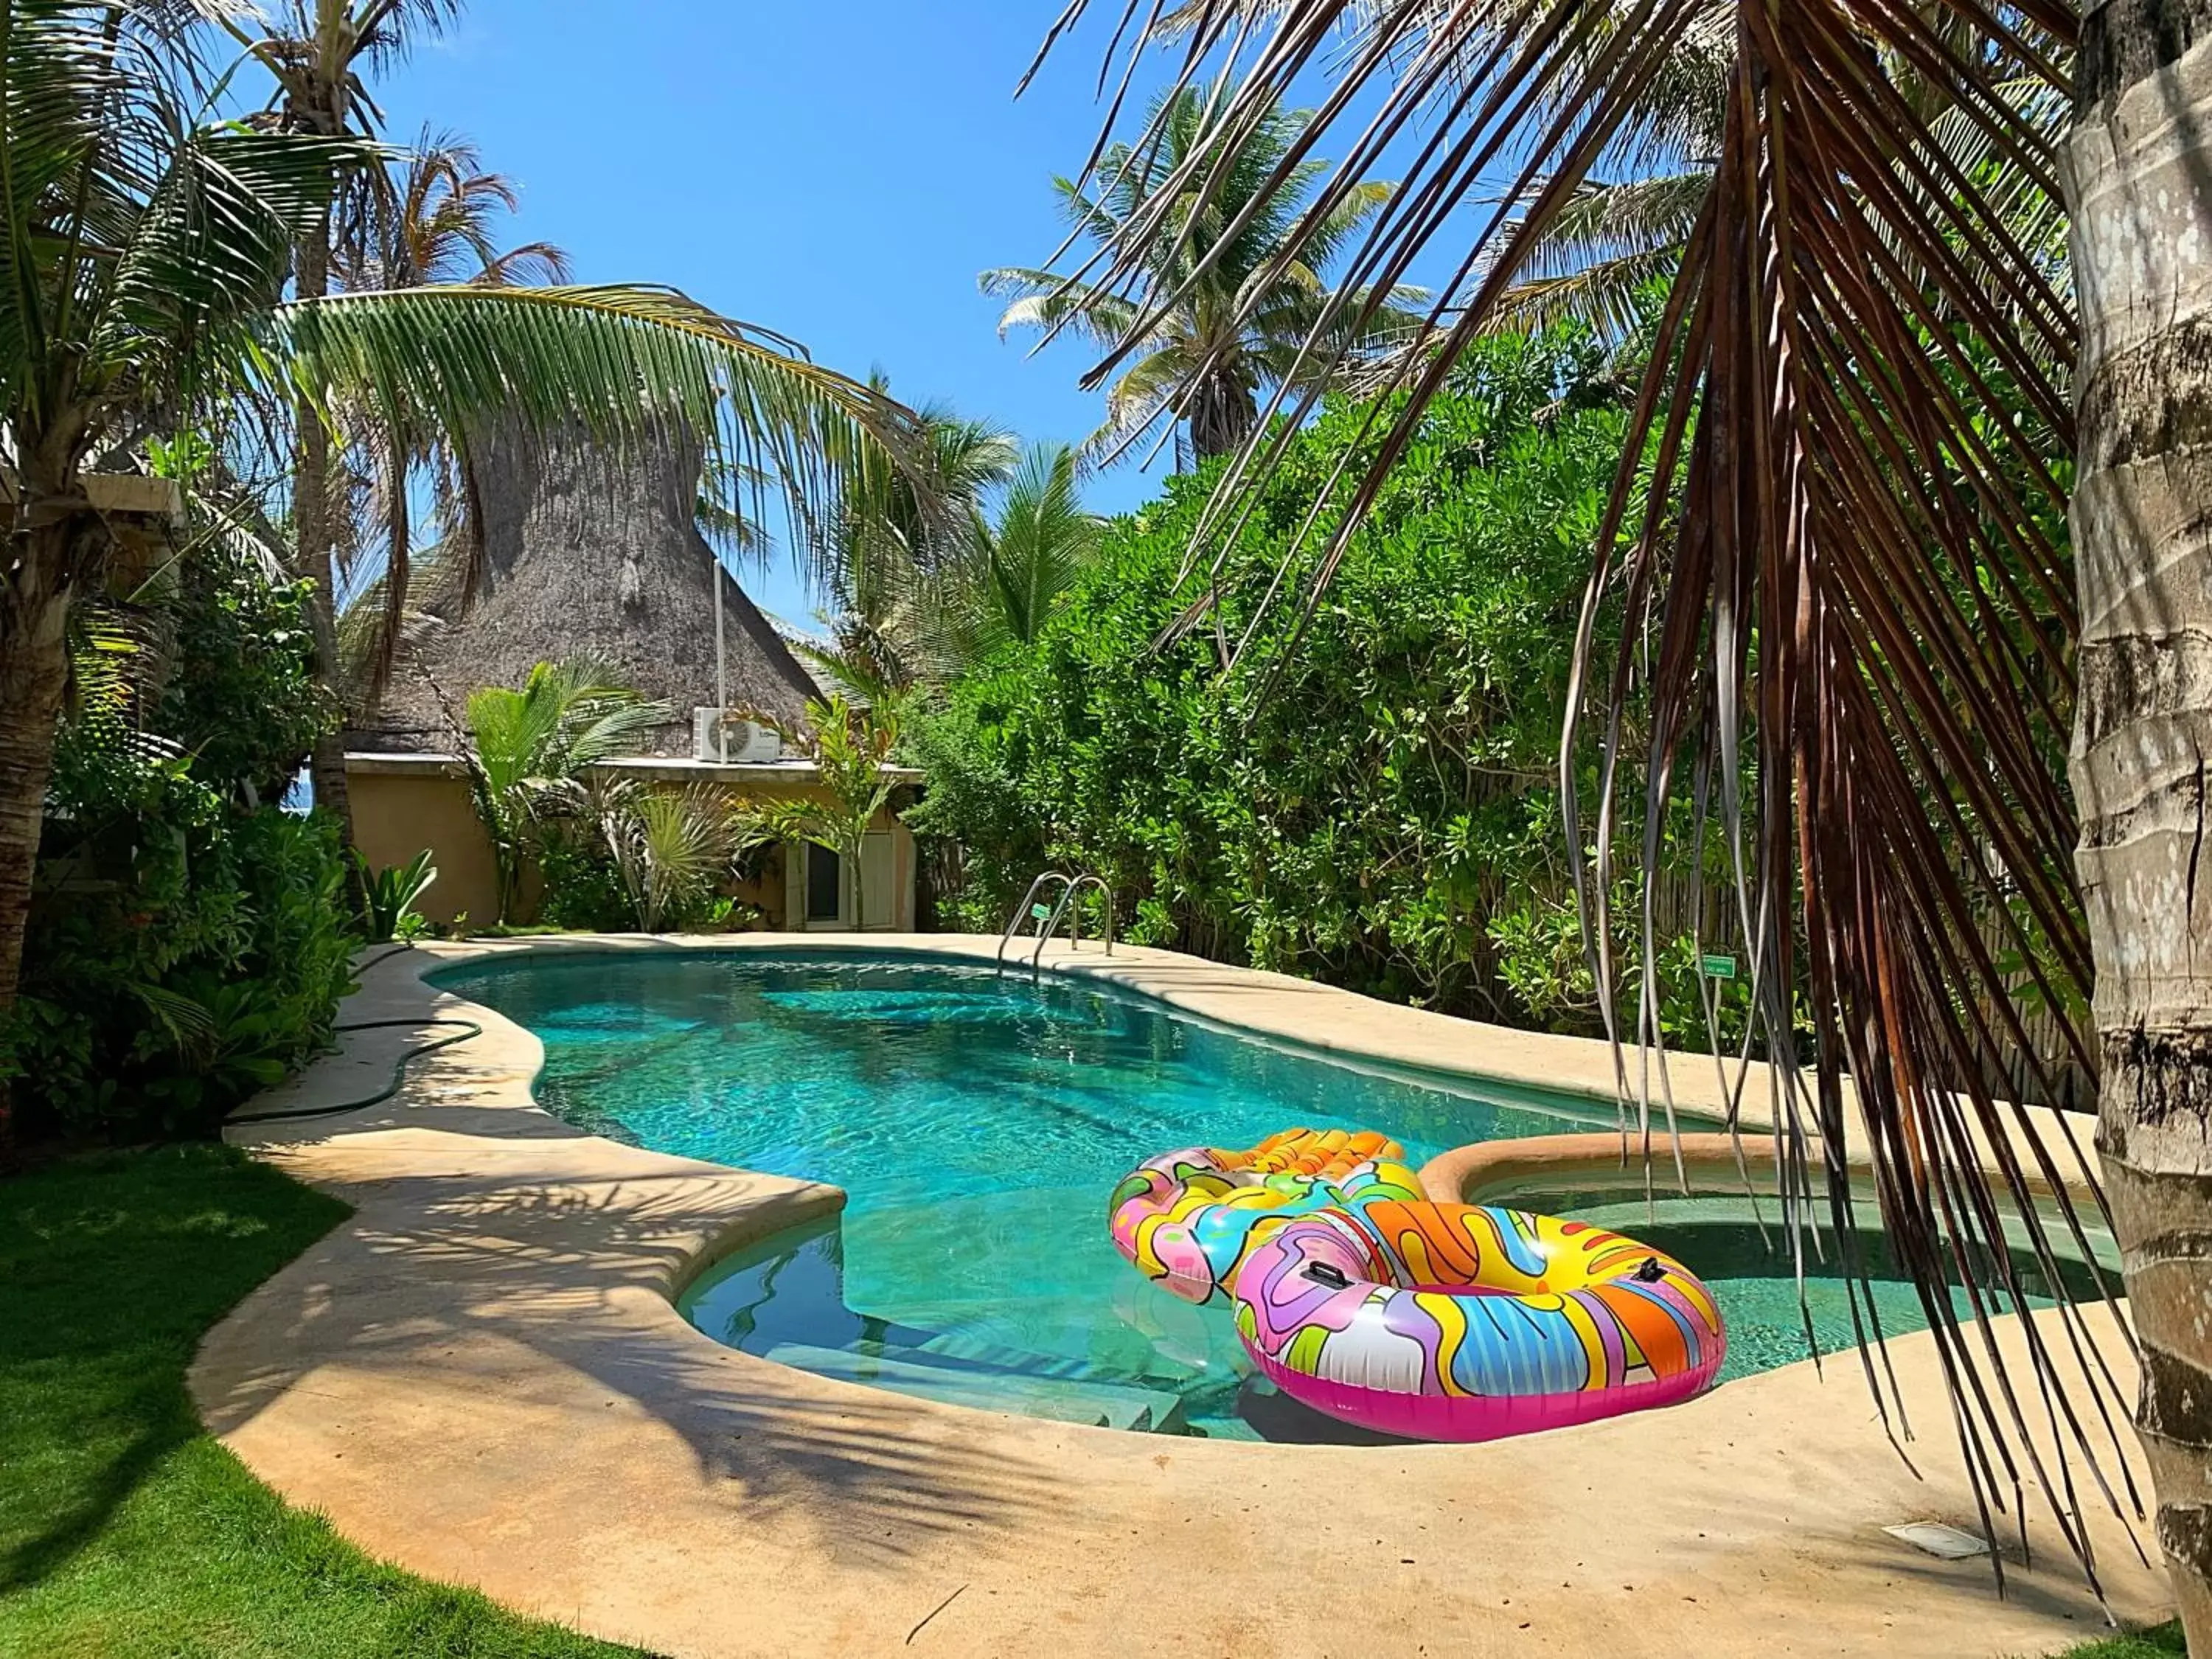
<point x="610" y="852"/>
<point x="1368" y="796"/>
<point x="849" y="746"/>
<point x="390" y="894"/>
<point x="580" y="886"/>
<point x="529" y="749"/>
<point x="673" y="849"/>
<point x="244" y="701"/>
<point x="186" y="944"/>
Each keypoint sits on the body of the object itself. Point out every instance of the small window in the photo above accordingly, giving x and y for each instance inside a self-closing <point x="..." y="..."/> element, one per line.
<point x="822" y="884"/>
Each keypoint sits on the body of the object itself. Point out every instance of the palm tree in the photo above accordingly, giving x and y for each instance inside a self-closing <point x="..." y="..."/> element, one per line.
<point x="1218" y="310"/>
<point x="670" y="848"/>
<point x="992" y="578"/>
<point x="2139" y="171"/>
<point x="147" y="244"/>
<point x="1002" y="588"/>
<point x="528" y="748"/>
<point x="1859" y="635"/>
<point x="893" y="535"/>
<point x="850" y="747"/>
<point x="316" y="51"/>
<point x="437" y="222"/>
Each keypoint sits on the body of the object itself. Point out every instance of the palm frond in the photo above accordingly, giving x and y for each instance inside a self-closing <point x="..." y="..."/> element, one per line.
<point x="620" y="363"/>
<point x="1043" y="300"/>
<point x="1838" y="540"/>
<point x="671" y="846"/>
<point x="1018" y="563"/>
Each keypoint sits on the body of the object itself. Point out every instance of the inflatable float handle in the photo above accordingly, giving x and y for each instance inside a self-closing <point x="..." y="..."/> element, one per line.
<point x="1651" y="1272"/>
<point x="1322" y="1273"/>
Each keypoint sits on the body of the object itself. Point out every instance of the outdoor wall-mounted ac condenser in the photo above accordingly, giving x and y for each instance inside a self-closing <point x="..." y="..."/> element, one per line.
<point x="741" y="739"/>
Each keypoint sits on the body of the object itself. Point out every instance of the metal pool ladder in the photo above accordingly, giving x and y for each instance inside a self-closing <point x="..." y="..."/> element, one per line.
<point x="1032" y="908"/>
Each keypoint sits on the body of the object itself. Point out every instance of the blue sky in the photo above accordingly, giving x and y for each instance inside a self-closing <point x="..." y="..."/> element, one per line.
<point x="838" y="173"/>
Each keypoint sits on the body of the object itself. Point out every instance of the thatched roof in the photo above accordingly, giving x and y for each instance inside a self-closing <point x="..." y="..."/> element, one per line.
<point x="596" y="555"/>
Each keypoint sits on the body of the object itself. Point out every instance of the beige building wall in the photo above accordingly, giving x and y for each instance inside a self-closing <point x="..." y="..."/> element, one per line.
<point x="397" y="811"/>
<point x="405" y="803"/>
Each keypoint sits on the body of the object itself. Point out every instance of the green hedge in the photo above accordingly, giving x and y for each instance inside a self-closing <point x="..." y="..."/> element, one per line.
<point x="189" y="941"/>
<point x="1373" y="800"/>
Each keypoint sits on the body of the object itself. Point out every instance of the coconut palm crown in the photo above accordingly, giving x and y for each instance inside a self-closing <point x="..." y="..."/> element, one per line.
<point x="1223" y="309"/>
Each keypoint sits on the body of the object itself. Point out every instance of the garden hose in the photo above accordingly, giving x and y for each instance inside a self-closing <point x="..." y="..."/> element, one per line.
<point x="399" y="948"/>
<point x="468" y="1028"/>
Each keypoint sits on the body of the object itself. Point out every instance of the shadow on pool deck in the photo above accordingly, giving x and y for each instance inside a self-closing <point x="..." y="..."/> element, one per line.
<point x="482" y="1376"/>
<point x="568" y="1273"/>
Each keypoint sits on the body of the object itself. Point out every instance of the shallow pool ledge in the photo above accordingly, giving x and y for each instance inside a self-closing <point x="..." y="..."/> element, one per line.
<point x="481" y="1376"/>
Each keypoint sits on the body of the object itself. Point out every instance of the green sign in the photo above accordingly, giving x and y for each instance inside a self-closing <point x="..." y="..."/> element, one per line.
<point x="1715" y="967"/>
<point x="1041" y="912"/>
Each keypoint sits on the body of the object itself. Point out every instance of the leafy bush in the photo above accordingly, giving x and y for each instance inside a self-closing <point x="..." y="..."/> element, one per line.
<point x="581" y="886"/>
<point x="180" y="956"/>
<point x="673" y="849"/>
<point x="244" y="701"/>
<point x="529" y="749"/>
<point x="186" y="946"/>
<point x="1371" y="798"/>
<point x="390" y="894"/>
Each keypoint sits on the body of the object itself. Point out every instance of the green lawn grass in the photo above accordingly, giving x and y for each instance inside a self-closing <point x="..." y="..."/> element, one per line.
<point x="2164" y="1642"/>
<point x="125" y="1528"/>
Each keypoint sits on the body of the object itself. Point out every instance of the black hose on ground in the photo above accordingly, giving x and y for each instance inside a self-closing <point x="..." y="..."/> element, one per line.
<point x="468" y="1028"/>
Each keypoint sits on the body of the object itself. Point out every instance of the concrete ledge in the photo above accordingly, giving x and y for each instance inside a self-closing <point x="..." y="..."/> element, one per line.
<point x="1492" y="1170"/>
<point x="1691" y="1161"/>
<point x="481" y="1376"/>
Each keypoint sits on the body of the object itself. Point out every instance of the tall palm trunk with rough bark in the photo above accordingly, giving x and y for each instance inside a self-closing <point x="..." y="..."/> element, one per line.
<point x="311" y="515"/>
<point x="52" y="551"/>
<point x="2140" y="182"/>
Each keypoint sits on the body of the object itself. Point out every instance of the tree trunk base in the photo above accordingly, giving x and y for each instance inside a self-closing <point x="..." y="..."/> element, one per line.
<point x="2155" y="1131"/>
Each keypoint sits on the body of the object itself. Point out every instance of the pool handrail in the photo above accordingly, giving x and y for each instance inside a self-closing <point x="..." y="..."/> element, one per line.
<point x="1022" y="911"/>
<point x="1075" y="938"/>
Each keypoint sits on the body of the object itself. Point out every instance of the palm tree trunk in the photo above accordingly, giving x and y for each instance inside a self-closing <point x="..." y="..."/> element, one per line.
<point x="311" y="513"/>
<point x="33" y="672"/>
<point x="2139" y="167"/>
<point x="860" y="885"/>
<point x="1221" y="415"/>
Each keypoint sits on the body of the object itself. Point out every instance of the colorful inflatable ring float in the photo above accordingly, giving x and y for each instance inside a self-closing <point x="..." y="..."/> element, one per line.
<point x="1185" y="1219"/>
<point x="1453" y="1321"/>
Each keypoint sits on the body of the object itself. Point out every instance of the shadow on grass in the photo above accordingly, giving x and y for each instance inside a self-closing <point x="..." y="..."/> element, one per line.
<point x="123" y="1527"/>
<point x="114" y="1266"/>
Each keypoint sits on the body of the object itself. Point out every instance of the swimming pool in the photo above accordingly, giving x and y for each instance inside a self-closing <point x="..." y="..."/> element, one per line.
<point x="977" y="1124"/>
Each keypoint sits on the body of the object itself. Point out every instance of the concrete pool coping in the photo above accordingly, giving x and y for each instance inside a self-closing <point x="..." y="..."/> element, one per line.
<point x="482" y="1376"/>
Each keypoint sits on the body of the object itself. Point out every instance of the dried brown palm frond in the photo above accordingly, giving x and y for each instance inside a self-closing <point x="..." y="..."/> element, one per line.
<point x="1837" y="540"/>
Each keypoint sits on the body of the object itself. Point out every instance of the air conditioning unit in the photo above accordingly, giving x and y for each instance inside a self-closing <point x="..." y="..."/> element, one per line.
<point x="719" y="734"/>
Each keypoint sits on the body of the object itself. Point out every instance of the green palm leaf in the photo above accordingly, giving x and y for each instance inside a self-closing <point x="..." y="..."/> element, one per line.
<point x="1218" y="290"/>
<point x="1018" y="563"/>
<point x="616" y="362"/>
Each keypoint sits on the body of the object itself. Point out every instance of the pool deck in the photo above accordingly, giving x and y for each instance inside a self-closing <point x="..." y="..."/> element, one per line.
<point x="482" y="1377"/>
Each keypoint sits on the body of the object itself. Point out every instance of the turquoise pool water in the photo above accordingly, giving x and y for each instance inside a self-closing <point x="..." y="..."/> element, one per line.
<point x="977" y="1124"/>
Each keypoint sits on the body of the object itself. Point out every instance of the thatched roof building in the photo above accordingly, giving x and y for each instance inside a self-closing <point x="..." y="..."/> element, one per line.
<point x="595" y="556"/>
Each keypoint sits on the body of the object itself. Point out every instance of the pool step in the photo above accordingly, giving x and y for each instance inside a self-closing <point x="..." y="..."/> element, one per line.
<point x="967" y="1353"/>
<point x="1098" y="1404"/>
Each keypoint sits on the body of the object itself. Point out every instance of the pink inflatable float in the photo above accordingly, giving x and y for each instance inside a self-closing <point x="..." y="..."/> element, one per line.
<point x="1453" y="1321"/>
